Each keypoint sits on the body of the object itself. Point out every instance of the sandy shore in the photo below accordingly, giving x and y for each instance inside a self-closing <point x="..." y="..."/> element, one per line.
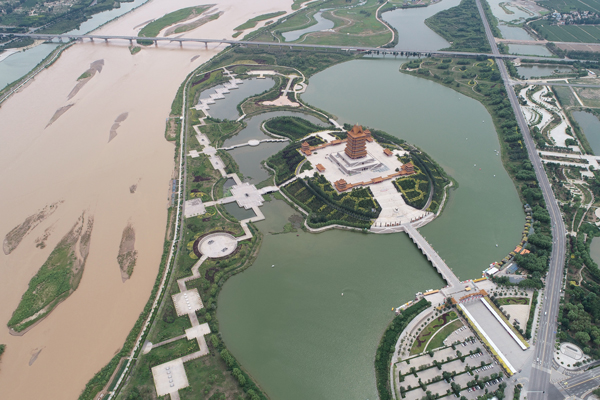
<point x="71" y="160"/>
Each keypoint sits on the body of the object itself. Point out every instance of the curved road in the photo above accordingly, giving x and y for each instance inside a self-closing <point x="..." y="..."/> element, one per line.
<point x="539" y="379"/>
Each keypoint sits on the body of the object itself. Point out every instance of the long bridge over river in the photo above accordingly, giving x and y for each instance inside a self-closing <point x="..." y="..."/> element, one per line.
<point x="438" y="263"/>
<point x="275" y="45"/>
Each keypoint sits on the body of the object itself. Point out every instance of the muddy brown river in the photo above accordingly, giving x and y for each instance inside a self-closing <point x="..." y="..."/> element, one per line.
<point x="72" y="160"/>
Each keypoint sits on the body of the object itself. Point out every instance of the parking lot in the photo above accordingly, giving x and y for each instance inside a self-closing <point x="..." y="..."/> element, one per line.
<point x="468" y="343"/>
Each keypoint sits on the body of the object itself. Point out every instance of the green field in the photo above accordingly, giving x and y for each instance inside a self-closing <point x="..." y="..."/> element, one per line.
<point x="294" y="128"/>
<point x="430" y="330"/>
<point x="568" y="33"/>
<point x="154" y="27"/>
<point x="57" y="278"/>
<point x="566" y="6"/>
<point x="251" y="23"/>
<point x="511" y="301"/>
<point x="438" y="340"/>
<point x="356" y="26"/>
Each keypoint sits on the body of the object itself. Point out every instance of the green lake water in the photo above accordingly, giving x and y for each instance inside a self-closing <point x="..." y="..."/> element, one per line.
<point x="595" y="250"/>
<point x="529" y="50"/>
<point x="248" y="158"/>
<point x="289" y="325"/>
<point x="413" y="34"/>
<point x="530" y="71"/>
<point x="591" y="128"/>
<point x="457" y="132"/>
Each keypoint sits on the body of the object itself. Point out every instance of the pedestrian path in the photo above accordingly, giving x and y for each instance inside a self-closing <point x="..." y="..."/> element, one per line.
<point x="453" y="282"/>
<point x="204" y="104"/>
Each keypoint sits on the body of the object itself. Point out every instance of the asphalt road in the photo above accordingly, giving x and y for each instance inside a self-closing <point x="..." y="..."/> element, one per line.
<point x="539" y="379"/>
<point x="579" y="385"/>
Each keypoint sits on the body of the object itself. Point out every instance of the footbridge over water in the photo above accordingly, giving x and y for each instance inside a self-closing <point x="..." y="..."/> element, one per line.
<point x="397" y="51"/>
<point x="442" y="268"/>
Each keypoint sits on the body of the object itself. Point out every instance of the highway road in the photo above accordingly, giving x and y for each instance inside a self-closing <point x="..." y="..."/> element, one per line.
<point x="539" y="379"/>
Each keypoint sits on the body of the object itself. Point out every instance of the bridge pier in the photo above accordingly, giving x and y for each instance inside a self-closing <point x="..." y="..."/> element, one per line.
<point x="92" y="39"/>
<point x="131" y="42"/>
<point x="180" y="43"/>
<point x="156" y="43"/>
<point x="106" y="40"/>
<point x="205" y="45"/>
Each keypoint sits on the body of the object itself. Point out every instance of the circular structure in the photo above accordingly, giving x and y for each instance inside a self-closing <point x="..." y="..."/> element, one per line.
<point x="253" y="142"/>
<point x="572" y="351"/>
<point x="217" y="245"/>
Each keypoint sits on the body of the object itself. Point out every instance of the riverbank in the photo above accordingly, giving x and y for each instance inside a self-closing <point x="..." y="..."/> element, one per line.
<point x="100" y="183"/>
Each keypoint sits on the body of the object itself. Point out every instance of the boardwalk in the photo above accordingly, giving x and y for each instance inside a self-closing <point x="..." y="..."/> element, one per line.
<point x="453" y="282"/>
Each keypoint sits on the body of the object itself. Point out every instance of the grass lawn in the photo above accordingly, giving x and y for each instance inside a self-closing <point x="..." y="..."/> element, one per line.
<point x="430" y="330"/>
<point x="153" y="28"/>
<point x="511" y="301"/>
<point x="442" y="334"/>
<point x="566" y="6"/>
<point x="568" y="33"/>
<point x="251" y="23"/>
<point x="357" y="26"/>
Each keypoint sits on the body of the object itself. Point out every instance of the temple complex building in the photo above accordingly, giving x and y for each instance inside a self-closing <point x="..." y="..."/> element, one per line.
<point x="362" y="162"/>
<point x="356" y="146"/>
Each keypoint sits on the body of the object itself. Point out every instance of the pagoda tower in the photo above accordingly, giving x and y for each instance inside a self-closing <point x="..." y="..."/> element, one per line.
<point x="356" y="147"/>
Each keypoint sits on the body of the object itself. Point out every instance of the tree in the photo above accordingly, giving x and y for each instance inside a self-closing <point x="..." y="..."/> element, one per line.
<point x="583" y="337"/>
<point x="455" y="388"/>
<point x="446" y="375"/>
<point x="229" y="360"/>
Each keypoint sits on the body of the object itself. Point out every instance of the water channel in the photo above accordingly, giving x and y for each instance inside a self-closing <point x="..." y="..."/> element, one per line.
<point x="514" y="32"/>
<point x="529" y="50"/>
<point x="595" y="250"/>
<point x="19" y="64"/>
<point x="227" y="108"/>
<point x="590" y="125"/>
<point x="289" y="325"/>
<point x="530" y="71"/>
<point x="248" y="158"/>
<point x="516" y="15"/>
<point x="321" y="25"/>
<point x="412" y="32"/>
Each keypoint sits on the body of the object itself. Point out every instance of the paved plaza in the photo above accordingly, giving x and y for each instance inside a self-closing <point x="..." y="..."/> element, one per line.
<point x="217" y="245"/>
<point x="169" y="377"/>
<point x="193" y="208"/>
<point x="187" y="302"/>
<point x="246" y="195"/>
<point x="394" y="210"/>
<point x="334" y="173"/>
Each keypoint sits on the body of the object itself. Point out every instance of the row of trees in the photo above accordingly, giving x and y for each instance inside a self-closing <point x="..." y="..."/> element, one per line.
<point x="387" y="345"/>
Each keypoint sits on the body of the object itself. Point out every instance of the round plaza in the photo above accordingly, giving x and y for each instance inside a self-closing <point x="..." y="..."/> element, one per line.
<point x="217" y="245"/>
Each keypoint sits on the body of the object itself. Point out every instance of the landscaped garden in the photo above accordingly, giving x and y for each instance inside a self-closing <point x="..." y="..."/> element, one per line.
<point x="512" y="301"/>
<point x="426" y="334"/>
<point x="438" y="338"/>
<point x="414" y="188"/>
